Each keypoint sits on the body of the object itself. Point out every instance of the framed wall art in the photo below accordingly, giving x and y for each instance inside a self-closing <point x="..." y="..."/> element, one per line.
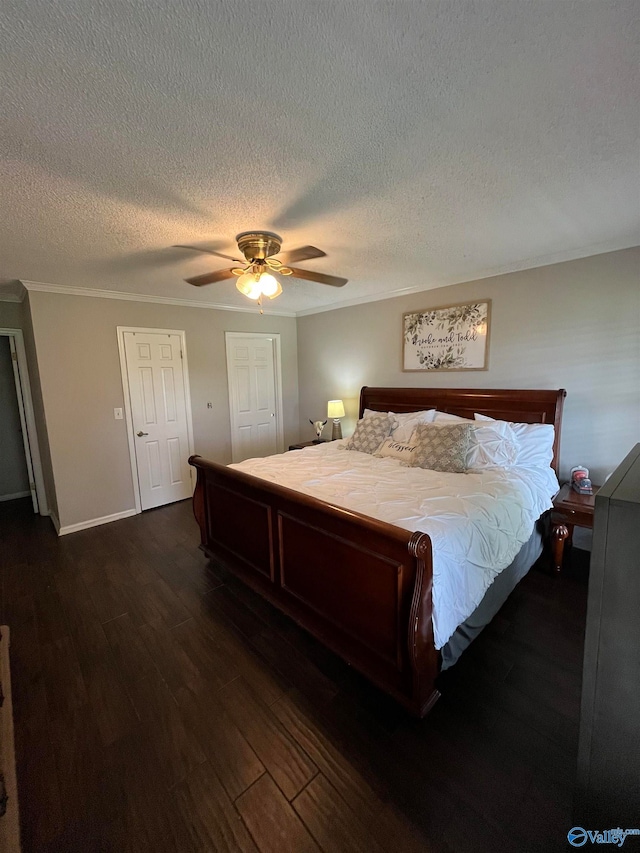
<point x="455" y="337"/>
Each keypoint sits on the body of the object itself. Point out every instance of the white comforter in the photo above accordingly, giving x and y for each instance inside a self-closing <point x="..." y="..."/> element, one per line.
<point x="477" y="522"/>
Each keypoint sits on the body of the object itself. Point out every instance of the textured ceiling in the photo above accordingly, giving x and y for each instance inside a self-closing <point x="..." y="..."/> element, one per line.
<point x="417" y="143"/>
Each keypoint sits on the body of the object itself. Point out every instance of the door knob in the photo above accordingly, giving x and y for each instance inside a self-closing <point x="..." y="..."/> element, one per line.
<point x="140" y="434"/>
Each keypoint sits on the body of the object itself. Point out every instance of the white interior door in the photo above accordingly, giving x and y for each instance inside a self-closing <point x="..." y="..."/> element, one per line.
<point x="159" y="416"/>
<point x="254" y="399"/>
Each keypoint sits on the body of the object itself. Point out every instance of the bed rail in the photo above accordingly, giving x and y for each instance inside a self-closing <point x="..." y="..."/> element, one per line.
<point x="360" y="586"/>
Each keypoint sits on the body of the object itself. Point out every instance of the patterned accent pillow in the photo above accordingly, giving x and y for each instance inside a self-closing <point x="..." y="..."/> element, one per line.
<point x="370" y="432"/>
<point x="403" y="452"/>
<point x="442" y="448"/>
<point x="493" y="445"/>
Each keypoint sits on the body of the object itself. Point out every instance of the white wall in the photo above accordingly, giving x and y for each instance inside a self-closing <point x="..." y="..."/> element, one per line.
<point x="79" y="371"/>
<point x="574" y="325"/>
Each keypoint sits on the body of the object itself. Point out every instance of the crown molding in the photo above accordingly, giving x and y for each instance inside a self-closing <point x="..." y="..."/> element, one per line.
<point x="43" y="287"/>
<point x="372" y="297"/>
<point x="520" y="266"/>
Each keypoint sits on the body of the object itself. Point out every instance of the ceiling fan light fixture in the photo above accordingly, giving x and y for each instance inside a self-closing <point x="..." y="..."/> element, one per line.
<point x="257" y="284"/>
<point x="248" y="283"/>
<point x="277" y="292"/>
<point x="255" y="293"/>
<point x="269" y="285"/>
<point x="255" y="279"/>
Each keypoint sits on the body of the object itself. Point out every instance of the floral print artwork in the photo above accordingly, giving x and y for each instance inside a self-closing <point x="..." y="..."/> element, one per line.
<point x="452" y="338"/>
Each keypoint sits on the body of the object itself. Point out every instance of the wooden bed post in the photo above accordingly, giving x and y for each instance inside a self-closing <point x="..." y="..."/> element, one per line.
<point x="198" y="498"/>
<point x="422" y="652"/>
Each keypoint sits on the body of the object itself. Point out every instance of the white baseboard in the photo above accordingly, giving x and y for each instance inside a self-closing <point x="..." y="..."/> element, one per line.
<point x="92" y="522"/>
<point x="15" y="496"/>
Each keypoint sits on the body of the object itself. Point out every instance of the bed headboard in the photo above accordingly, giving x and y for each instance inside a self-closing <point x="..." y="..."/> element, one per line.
<point x="529" y="407"/>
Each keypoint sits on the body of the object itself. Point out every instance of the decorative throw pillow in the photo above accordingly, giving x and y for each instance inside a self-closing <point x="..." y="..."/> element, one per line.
<point x="406" y="422"/>
<point x="489" y="447"/>
<point x="442" y="448"/>
<point x="396" y="450"/>
<point x="370" y="432"/>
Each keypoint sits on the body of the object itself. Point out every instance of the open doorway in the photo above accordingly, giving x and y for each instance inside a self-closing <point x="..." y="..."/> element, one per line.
<point x="20" y="470"/>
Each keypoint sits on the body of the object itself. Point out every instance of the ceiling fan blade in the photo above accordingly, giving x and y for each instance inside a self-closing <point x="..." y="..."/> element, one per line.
<point x="320" y="277"/>
<point x="209" y="252"/>
<point x="210" y="277"/>
<point x="304" y="253"/>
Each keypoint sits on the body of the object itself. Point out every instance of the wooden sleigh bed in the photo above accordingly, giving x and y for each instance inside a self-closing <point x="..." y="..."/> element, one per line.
<point x="360" y="586"/>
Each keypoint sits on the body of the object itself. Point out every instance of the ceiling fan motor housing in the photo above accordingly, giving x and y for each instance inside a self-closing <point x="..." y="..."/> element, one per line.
<point x="258" y="245"/>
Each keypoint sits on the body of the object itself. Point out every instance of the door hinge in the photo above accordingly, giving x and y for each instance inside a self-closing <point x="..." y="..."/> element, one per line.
<point x="14" y="355"/>
<point x="180" y="353"/>
<point x="32" y="486"/>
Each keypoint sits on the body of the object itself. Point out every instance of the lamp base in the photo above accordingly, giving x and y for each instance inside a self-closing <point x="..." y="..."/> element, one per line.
<point x="336" y="432"/>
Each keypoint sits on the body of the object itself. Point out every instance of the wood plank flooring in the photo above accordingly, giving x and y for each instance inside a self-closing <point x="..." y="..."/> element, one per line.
<point x="161" y="706"/>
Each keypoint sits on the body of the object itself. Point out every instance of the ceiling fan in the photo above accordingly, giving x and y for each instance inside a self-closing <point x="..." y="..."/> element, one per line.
<point x="256" y="274"/>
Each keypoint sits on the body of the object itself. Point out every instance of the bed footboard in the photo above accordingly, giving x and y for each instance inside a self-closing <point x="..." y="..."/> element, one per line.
<point x="360" y="586"/>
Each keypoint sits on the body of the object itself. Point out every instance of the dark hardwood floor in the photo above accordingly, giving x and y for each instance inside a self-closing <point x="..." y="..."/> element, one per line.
<point x="161" y="706"/>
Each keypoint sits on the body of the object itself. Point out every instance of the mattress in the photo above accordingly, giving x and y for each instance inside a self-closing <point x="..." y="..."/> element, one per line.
<point x="477" y="521"/>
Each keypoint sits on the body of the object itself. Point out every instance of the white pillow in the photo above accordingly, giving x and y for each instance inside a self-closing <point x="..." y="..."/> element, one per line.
<point x="407" y="422"/>
<point x="446" y="418"/>
<point x="494" y="446"/>
<point x="535" y="442"/>
<point x="396" y="450"/>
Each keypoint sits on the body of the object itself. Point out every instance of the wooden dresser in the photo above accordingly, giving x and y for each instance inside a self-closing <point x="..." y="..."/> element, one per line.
<point x="608" y="791"/>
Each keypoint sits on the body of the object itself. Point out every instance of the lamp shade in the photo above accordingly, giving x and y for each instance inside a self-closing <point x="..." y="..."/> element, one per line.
<point x="335" y="409"/>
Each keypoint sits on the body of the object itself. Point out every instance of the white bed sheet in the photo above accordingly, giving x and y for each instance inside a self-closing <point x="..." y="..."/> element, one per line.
<point x="477" y="522"/>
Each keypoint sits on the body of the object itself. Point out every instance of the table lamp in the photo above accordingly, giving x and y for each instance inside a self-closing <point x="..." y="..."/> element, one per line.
<point x="335" y="410"/>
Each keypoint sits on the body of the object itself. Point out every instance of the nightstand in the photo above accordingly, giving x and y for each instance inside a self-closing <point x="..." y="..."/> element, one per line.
<point x="302" y="444"/>
<point x="569" y="510"/>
